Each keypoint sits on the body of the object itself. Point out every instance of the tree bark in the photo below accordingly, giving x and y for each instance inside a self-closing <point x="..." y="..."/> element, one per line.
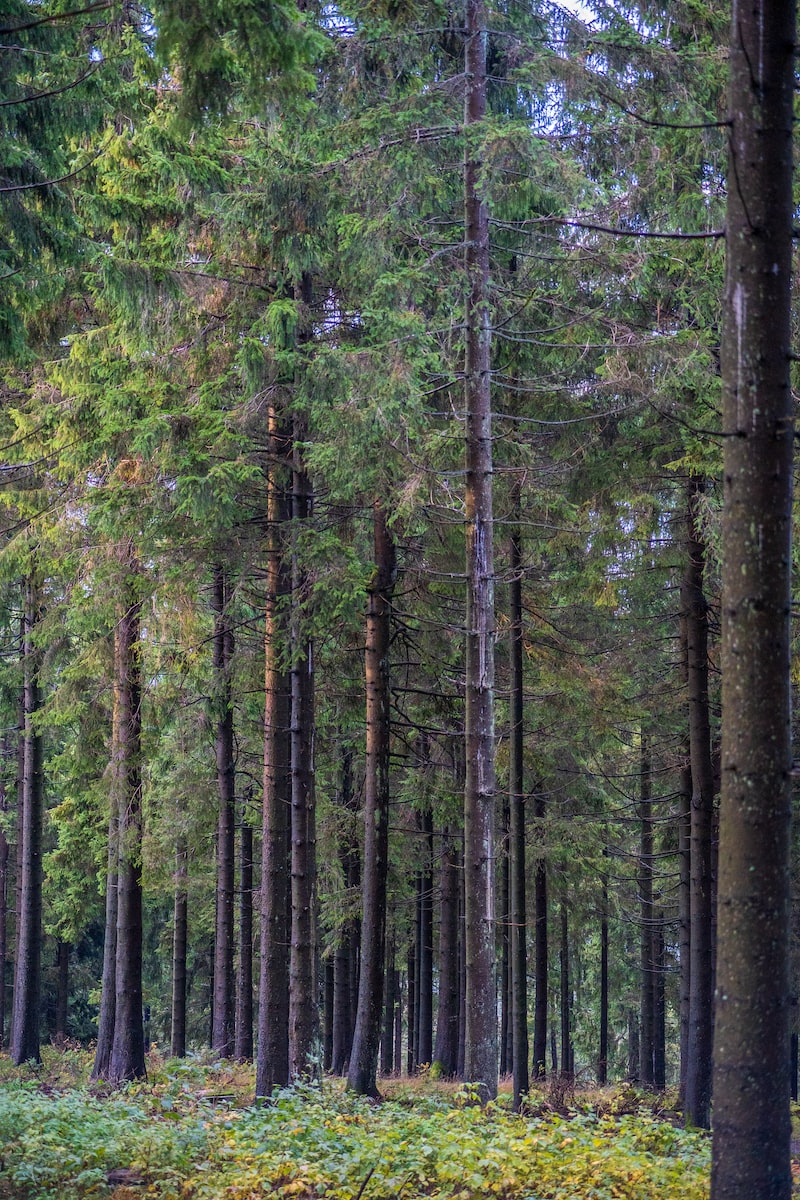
<point x="272" y="1063"/>
<point x="243" y="1047"/>
<point x="62" y="991"/>
<point x="446" y="1051"/>
<point x="425" y="943"/>
<point x="751" y="1142"/>
<point x="540" y="951"/>
<point x="516" y="789"/>
<point x="602" y="1058"/>
<point x="362" y="1071"/>
<point x="180" y="930"/>
<point x="28" y="973"/>
<point x="303" y="1009"/>
<point x="127" y="1049"/>
<point x="222" y="1032"/>
<point x="567" y="1057"/>
<point x="684" y="921"/>
<point x="646" y="922"/>
<point x="479" y="790"/>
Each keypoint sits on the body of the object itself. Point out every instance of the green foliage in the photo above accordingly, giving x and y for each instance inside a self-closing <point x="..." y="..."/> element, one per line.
<point x="184" y="1143"/>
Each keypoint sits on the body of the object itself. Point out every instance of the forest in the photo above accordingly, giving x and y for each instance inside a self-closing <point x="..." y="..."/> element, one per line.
<point x="395" y="561"/>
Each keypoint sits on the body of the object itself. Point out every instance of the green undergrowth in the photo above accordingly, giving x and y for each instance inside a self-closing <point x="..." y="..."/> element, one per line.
<point x="186" y="1135"/>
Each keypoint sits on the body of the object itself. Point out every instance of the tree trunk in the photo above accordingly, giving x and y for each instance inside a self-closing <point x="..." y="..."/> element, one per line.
<point x="345" y="978"/>
<point x="425" y="956"/>
<point x="272" y="1063"/>
<point x="362" y="1072"/>
<point x="108" y="990"/>
<point x="567" y="1064"/>
<point x="751" y="1144"/>
<point x="243" y="1048"/>
<point x="503" y="930"/>
<point x="411" y="977"/>
<point x="540" y="951"/>
<point x="516" y="789"/>
<point x="697" y="1105"/>
<point x="180" y="930"/>
<point x="479" y="790"/>
<point x="28" y="973"/>
<point x="222" y="1033"/>
<point x="127" y="1049"/>
<point x="62" y="991"/>
<point x="389" y="1005"/>
<point x="646" y="922"/>
<point x="446" y="1052"/>
<point x="303" y="1014"/>
<point x="659" y="1004"/>
<point x="7" y="753"/>
<point x="684" y="920"/>
<point x="602" y="1058"/>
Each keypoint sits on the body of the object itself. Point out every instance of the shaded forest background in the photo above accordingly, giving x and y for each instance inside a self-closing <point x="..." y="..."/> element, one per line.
<point x="235" y="312"/>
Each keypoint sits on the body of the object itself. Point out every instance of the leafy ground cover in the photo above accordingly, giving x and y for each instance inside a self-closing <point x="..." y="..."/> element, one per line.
<point x="189" y="1134"/>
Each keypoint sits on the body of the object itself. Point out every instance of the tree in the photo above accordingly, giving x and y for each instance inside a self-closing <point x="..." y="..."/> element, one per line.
<point x="751" y="1036"/>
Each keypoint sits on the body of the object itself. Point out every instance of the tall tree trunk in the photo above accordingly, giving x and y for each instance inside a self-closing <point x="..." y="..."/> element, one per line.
<point x="411" y="977"/>
<point x="62" y="991"/>
<point x="567" y="1063"/>
<point x="303" y="1012"/>
<point x="751" y="1144"/>
<point x="389" y="1005"/>
<point x="345" y="978"/>
<point x="684" y="921"/>
<point x="697" y="1104"/>
<point x="361" y="1076"/>
<point x="108" y="988"/>
<point x="503" y="930"/>
<point x="222" y="1032"/>
<point x="28" y="973"/>
<point x="446" y="1051"/>
<point x="127" y="1049"/>
<point x="180" y="931"/>
<point x="272" y="1063"/>
<point x="425" y="957"/>
<point x="6" y="755"/>
<point x="602" y="1058"/>
<point x="243" y="1047"/>
<point x="479" y="790"/>
<point x="540" y="950"/>
<point x="516" y="796"/>
<point x="646" y="920"/>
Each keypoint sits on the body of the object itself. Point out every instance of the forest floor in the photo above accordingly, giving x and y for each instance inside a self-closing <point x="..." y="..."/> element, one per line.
<point x="191" y="1131"/>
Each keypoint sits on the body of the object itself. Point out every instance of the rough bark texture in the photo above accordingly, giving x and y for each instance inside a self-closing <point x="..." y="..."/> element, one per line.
<point x="303" y="1013"/>
<point x="697" y="1101"/>
<point x="28" y="973"/>
<point x="446" y="1050"/>
<point x="272" y="1063"/>
<point x="243" y="1047"/>
<point x="602" y="1057"/>
<point x="516" y="797"/>
<point x="180" y="931"/>
<point x="127" y="1049"/>
<point x="480" y="1064"/>
<point x="540" y="952"/>
<point x="345" y="977"/>
<point x="6" y="754"/>
<point x="567" y="1053"/>
<point x="425" y="944"/>
<point x="646" y="923"/>
<point x="222" y="1031"/>
<point x="684" y="921"/>
<point x="62" y="991"/>
<point x="751" y="1048"/>
<point x="363" y="1068"/>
